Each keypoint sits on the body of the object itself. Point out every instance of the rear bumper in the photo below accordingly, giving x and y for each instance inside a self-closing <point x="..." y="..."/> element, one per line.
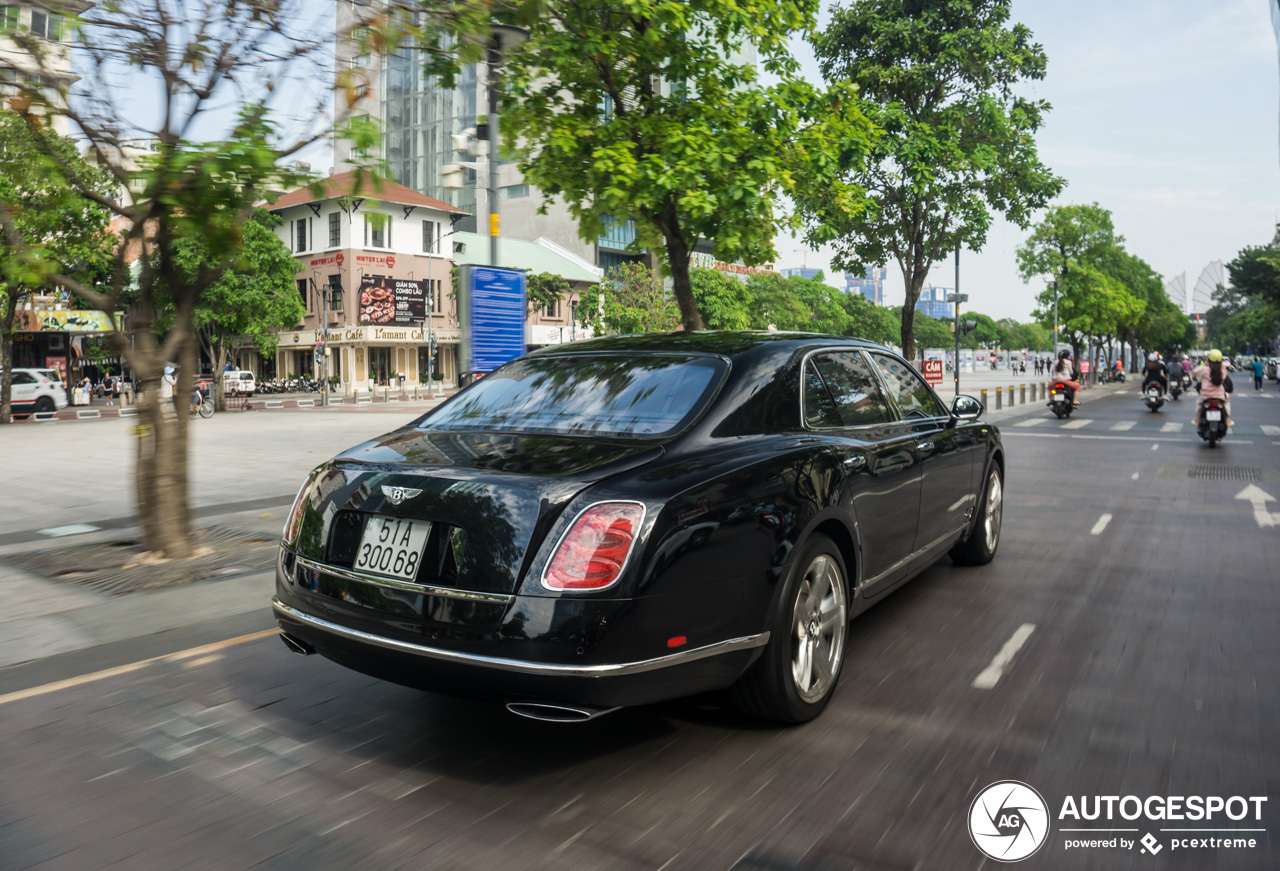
<point x="455" y="672"/>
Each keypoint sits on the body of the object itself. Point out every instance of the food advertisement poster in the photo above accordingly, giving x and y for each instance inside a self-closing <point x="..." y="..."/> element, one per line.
<point x="386" y="300"/>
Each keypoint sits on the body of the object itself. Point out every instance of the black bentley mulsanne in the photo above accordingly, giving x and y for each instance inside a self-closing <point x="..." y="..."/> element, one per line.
<point x="630" y="519"/>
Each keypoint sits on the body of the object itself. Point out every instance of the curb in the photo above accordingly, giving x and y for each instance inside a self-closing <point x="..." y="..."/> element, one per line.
<point x="116" y="412"/>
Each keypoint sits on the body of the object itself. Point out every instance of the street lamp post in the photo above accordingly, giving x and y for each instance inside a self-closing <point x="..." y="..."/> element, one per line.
<point x="333" y="287"/>
<point x="502" y="37"/>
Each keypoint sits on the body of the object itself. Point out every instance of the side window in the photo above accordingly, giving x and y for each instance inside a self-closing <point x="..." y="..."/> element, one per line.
<point x="854" y="388"/>
<point x="23" y="378"/>
<point x="819" y="408"/>
<point x="913" y="395"/>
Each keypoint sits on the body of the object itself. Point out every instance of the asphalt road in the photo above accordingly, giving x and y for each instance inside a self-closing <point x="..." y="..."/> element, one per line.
<point x="1151" y="668"/>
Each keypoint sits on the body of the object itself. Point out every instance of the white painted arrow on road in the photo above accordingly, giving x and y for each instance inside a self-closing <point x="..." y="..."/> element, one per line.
<point x="1259" y="497"/>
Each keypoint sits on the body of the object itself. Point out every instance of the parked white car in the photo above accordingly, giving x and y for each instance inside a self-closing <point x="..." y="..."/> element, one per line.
<point x="239" y="382"/>
<point x="33" y="391"/>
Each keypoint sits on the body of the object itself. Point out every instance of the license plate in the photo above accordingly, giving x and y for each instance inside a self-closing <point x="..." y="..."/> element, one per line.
<point x="1058" y="397"/>
<point x="1214" y="415"/>
<point x="392" y="546"/>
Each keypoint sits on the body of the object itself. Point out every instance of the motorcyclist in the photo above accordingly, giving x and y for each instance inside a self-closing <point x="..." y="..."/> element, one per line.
<point x="1062" y="371"/>
<point x="1175" y="371"/>
<point x="1212" y="385"/>
<point x="1155" y="372"/>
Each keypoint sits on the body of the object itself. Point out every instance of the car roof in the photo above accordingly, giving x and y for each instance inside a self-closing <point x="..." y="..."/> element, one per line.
<point x="727" y="343"/>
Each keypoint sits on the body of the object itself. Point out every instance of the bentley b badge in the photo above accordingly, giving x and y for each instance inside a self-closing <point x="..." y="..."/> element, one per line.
<point x="396" y="495"/>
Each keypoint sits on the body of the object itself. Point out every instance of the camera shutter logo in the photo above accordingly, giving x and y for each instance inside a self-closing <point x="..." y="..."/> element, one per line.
<point x="1009" y="821"/>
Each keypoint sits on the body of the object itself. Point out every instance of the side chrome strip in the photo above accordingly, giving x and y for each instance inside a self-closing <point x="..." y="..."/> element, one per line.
<point x="407" y="586"/>
<point x="915" y="554"/>
<point x="521" y="666"/>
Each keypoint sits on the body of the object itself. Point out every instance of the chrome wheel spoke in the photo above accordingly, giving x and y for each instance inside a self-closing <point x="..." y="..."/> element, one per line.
<point x="819" y="577"/>
<point x="819" y="618"/>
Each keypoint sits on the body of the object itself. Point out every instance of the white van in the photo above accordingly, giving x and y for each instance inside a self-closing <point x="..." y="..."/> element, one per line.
<point x="238" y="382"/>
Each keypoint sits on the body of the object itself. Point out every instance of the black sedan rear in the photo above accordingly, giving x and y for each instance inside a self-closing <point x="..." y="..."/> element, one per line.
<point x="626" y="520"/>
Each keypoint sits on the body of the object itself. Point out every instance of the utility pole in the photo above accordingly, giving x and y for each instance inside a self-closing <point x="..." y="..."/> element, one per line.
<point x="494" y="46"/>
<point x="955" y="361"/>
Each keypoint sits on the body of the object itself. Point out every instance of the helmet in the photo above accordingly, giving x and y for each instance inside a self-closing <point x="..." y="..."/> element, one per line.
<point x="1215" y="356"/>
<point x="1151" y="357"/>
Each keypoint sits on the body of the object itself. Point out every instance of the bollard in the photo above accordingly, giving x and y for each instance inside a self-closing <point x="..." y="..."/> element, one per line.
<point x="1011" y="396"/>
<point x="999" y="398"/>
<point x="384" y="394"/>
<point x="984" y="399"/>
<point x="1022" y="395"/>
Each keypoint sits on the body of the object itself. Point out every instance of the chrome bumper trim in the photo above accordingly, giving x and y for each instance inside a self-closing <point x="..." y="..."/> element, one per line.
<point x="521" y="666"/>
<point x="408" y="586"/>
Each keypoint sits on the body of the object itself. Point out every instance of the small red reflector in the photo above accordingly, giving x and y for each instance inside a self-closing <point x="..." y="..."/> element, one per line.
<point x="677" y="641"/>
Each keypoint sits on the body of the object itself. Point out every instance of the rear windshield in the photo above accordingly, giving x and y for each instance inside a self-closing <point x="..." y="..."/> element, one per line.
<point x="606" y="395"/>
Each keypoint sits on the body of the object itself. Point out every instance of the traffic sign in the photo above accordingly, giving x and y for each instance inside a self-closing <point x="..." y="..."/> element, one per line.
<point x="933" y="372"/>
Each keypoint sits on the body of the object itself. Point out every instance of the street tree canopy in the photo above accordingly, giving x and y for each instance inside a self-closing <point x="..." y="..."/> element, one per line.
<point x="48" y="226"/>
<point x="942" y="79"/>
<point x="1246" y="315"/>
<point x="645" y="110"/>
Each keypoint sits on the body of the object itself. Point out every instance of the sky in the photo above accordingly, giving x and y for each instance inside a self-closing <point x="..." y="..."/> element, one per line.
<point x="1166" y="113"/>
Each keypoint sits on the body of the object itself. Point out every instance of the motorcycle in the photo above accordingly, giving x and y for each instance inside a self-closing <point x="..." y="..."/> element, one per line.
<point x="1213" y="421"/>
<point x="1153" y="397"/>
<point x="1061" y="399"/>
<point x="1175" y="388"/>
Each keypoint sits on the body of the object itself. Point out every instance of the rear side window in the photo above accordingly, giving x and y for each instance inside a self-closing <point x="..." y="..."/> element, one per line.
<point x="853" y="386"/>
<point x="23" y="378"/>
<point x="914" y="396"/>
<point x="819" y="408"/>
<point x="607" y="395"/>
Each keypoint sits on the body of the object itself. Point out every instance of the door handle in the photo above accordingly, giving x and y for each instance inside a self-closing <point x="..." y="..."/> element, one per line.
<point x="855" y="463"/>
<point x="925" y="447"/>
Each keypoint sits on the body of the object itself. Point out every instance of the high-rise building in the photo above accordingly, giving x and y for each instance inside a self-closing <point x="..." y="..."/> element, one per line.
<point x="870" y="285"/>
<point x="46" y="22"/>
<point x="933" y="302"/>
<point x="800" y="272"/>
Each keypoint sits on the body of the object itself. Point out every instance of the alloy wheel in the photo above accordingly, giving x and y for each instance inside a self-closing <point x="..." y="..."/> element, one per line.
<point x="995" y="508"/>
<point x="819" y="622"/>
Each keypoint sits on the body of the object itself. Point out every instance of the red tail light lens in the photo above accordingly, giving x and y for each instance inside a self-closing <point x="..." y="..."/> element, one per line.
<point x="295" y="514"/>
<point x="594" y="550"/>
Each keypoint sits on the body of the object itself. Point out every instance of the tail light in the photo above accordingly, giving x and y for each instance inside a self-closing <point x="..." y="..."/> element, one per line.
<point x="295" y="513"/>
<point x="592" y="554"/>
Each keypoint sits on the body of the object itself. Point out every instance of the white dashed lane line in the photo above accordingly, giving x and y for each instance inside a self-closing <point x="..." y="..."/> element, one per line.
<point x="1077" y="424"/>
<point x="1171" y="427"/>
<point x="1124" y="425"/>
<point x="1102" y="522"/>
<point x="1155" y="447"/>
<point x="991" y="675"/>
<point x="1271" y="430"/>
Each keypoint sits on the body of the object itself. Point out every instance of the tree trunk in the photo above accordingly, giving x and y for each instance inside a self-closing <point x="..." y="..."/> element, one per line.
<point x="914" y="282"/>
<point x="6" y="358"/>
<point x="678" y="259"/>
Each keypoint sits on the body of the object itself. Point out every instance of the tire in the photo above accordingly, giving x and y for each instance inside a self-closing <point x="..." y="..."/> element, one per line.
<point x="795" y="677"/>
<point x="44" y="405"/>
<point x="981" y="545"/>
<point x="206" y="409"/>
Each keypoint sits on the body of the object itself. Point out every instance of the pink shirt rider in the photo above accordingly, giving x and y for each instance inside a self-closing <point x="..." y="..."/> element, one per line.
<point x="1209" y="390"/>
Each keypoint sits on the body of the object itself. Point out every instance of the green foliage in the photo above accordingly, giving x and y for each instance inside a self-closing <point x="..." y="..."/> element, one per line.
<point x="724" y="302"/>
<point x="640" y="109"/>
<point x="254" y="297"/>
<point x="635" y="300"/>
<point x="544" y="289"/>
<point x="1246" y="315"/>
<point x="943" y="79"/>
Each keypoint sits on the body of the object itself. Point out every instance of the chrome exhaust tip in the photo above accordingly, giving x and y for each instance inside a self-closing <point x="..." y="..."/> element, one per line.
<point x="299" y="647"/>
<point x="557" y="712"/>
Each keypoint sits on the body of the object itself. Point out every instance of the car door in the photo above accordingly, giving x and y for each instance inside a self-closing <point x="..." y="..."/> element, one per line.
<point x="946" y="452"/>
<point x="23" y="394"/>
<point x="881" y="486"/>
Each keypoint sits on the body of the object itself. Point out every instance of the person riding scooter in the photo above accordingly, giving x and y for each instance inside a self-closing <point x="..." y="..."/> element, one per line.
<point x="1214" y="384"/>
<point x="1155" y="372"/>
<point x="1063" y="369"/>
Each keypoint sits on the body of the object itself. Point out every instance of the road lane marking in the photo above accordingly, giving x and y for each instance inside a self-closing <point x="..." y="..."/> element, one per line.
<point x="1076" y="424"/>
<point x="991" y="675"/>
<point x="1271" y="430"/>
<point x="82" y="528"/>
<point x="1036" y="421"/>
<point x="1259" y="499"/>
<point x="1124" y="425"/>
<point x="189" y="653"/>
<point x="1171" y="427"/>
<point x="1134" y="476"/>
<point x="1156" y="446"/>
<point x="1100" y="525"/>
<point x="1108" y="438"/>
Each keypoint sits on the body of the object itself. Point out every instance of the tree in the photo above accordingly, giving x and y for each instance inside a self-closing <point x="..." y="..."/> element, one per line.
<point x="642" y="110"/>
<point x="634" y="300"/>
<point x="544" y="289"/>
<point x="222" y="73"/>
<point x="774" y="304"/>
<point x="254" y="298"/>
<point x="875" y="323"/>
<point x="827" y="313"/>
<point x="939" y="77"/>
<point x="1246" y="315"/>
<point x="724" y="302"/>
<point x="49" y="227"/>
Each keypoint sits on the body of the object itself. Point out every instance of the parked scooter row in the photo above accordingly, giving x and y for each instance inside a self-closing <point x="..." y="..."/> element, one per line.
<point x="289" y="385"/>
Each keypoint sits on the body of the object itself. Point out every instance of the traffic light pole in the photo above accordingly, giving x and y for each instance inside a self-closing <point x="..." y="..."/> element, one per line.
<point x="955" y="362"/>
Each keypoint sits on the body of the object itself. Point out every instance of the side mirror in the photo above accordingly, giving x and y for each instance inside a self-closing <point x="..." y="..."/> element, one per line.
<point x="965" y="408"/>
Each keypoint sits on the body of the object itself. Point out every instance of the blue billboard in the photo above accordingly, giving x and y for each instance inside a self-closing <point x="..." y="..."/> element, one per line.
<point x="492" y="312"/>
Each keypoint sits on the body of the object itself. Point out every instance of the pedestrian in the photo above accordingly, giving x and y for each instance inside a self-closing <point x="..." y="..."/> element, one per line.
<point x="1257" y="373"/>
<point x="1022" y="370"/>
